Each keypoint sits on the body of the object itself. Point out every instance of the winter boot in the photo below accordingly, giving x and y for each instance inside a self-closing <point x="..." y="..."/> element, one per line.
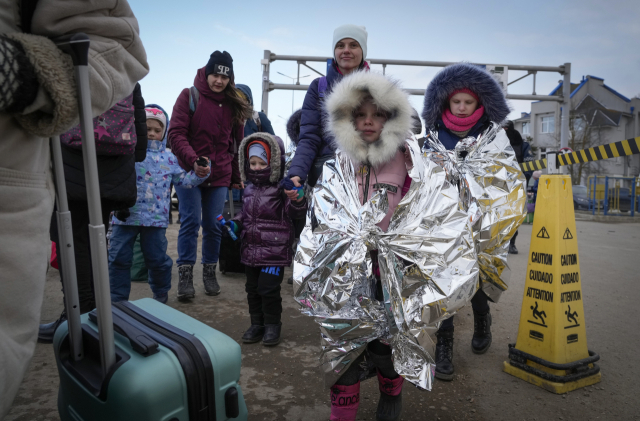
<point x="47" y="330"/>
<point x="481" y="332"/>
<point x="271" y="334"/>
<point x="345" y="401"/>
<point x="255" y="331"/>
<point x="162" y="298"/>
<point x="211" y="286"/>
<point x="444" y="356"/>
<point x="390" y="403"/>
<point x="512" y="248"/>
<point x="185" y="282"/>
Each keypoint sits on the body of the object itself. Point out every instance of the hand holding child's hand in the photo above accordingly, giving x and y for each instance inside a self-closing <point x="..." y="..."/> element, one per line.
<point x="201" y="171"/>
<point x="291" y="193"/>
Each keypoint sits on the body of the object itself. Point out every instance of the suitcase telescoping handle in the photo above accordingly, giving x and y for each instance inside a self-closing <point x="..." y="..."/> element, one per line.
<point x="77" y="46"/>
<point x="67" y="256"/>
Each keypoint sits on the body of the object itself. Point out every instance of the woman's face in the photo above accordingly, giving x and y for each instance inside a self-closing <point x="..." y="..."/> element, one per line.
<point x="257" y="164"/>
<point x="348" y="55"/>
<point x="217" y="83"/>
<point x="369" y="121"/>
<point x="462" y="105"/>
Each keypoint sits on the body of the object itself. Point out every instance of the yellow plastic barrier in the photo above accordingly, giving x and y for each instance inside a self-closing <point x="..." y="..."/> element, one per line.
<point x="551" y="348"/>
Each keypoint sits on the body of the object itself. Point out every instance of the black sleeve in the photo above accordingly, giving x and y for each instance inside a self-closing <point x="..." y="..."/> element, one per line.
<point x="141" y="124"/>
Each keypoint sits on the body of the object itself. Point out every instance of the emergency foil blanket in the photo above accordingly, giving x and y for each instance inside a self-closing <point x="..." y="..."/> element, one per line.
<point x="428" y="266"/>
<point x="493" y="192"/>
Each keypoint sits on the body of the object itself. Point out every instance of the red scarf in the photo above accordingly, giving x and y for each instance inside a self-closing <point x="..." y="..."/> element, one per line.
<point x="461" y="124"/>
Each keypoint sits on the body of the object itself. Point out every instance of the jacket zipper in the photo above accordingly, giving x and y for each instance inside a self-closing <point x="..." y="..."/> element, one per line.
<point x="365" y="196"/>
<point x="202" y="409"/>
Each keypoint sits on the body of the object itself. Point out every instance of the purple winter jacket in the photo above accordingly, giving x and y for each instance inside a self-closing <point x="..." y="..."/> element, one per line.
<point x="209" y="132"/>
<point x="266" y="218"/>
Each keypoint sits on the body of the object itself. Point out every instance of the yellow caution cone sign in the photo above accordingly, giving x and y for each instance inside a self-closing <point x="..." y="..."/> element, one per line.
<point x="551" y="348"/>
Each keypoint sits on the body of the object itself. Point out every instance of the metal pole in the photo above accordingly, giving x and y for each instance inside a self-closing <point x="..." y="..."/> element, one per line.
<point x="67" y="256"/>
<point x="96" y="227"/>
<point x="566" y="106"/>
<point x="265" y="81"/>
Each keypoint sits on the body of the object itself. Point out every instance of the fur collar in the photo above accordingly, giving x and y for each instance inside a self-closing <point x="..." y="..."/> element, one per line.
<point x="464" y="75"/>
<point x="274" y="143"/>
<point x="347" y="95"/>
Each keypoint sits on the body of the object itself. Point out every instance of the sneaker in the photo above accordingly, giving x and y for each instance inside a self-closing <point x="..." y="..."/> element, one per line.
<point x="162" y="298"/>
<point x="211" y="286"/>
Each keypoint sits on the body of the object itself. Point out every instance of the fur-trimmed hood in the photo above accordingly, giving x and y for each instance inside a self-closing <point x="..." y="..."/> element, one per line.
<point x="464" y="75"/>
<point x="277" y="155"/>
<point x="346" y="97"/>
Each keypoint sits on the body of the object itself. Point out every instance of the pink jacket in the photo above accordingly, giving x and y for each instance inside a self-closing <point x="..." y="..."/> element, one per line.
<point x="393" y="175"/>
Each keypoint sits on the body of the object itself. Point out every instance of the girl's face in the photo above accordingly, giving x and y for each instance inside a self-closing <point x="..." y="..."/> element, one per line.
<point x="369" y="121"/>
<point x="348" y="55"/>
<point x="257" y="164"/>
<point x="154" y="130"/>
<point x="462" y="105"/>
<point x="217" y="83"/>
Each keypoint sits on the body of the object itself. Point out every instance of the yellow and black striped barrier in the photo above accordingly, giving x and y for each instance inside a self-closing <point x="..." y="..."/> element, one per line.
<point x="597" y="153"/>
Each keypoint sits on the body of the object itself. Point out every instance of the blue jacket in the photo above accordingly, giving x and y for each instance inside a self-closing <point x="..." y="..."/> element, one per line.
<point x="251" y="126"/>
<point x="154" y="176"/>
<point x="313" y="141"/>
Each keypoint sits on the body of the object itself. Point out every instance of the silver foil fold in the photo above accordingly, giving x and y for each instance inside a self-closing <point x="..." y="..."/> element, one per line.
<point x="427" y="259"/>
<point x="492" y="191"/>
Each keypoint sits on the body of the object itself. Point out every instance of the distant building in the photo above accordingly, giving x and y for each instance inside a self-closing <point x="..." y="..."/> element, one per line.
<point x="611" y="115"/>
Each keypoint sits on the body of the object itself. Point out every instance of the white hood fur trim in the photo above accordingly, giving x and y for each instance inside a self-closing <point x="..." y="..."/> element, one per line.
<point x="347" y="95"/>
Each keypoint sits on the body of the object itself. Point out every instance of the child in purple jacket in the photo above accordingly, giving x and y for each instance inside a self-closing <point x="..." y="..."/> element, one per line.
<point x="266" y="230"/>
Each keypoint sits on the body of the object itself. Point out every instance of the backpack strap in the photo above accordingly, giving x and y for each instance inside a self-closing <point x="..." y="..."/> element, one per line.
<point x="194" y="97"/>
<point x="322" y="86"/>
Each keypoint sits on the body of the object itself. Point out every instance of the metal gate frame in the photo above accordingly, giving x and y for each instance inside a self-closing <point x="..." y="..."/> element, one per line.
<point x="565" y="70"/>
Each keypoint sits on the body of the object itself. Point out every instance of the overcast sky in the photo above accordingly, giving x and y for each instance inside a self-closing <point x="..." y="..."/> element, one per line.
<point x="600" y="38"/>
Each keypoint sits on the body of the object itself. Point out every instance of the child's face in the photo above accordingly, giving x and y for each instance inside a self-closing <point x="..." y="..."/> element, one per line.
<point x="257" y="164"/>
<point x="462" y="105"/>
<point x="369" y="121"/>
<point x="154" y="130"/>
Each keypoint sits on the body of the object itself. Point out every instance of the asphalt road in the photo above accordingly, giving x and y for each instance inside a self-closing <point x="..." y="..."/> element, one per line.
<point x="283" y="383"/>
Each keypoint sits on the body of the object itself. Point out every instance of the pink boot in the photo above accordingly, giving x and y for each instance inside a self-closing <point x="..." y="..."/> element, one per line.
<point x="390" y="403"/>
<point x="344" y="402"/>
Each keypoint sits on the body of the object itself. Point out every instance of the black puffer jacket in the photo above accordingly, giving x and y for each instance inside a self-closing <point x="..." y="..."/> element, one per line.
<point x="117" y="174"/>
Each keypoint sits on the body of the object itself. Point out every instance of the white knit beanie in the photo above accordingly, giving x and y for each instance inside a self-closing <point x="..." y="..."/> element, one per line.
<point x="359" y="33"/>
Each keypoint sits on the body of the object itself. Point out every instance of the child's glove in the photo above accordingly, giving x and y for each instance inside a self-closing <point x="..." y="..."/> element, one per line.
<point x="18" y="82"/>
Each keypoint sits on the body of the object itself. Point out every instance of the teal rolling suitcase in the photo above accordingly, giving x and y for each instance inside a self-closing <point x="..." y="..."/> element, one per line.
<point x="160" y="364"/>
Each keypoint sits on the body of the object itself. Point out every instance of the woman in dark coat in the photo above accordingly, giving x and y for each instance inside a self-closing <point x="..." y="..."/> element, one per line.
<point x="314" y="145"/>
<point x="207" y="125"/>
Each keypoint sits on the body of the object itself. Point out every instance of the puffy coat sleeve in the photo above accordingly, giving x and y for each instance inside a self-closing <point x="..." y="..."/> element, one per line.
<point x="295" y="210"/>
<point x="179" y="131"/>
<point x="266" y="124"/>
<point x="117" y="60"/>
<point x="141" y="124"/>
<point x="310" y="139"/>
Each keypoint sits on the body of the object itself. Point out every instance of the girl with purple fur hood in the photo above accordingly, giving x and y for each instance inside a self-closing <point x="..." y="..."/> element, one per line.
<point x="265" y="228"/>
<point x="462" y="101"/>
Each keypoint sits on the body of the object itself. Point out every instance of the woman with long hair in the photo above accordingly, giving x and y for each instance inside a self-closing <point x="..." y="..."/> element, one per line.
<point x="207" y="125"/>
